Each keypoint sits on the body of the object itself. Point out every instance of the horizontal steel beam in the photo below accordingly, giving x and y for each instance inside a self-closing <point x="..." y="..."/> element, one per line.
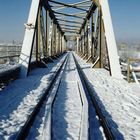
<point x="70" y="32"/>
<point x="70" y="29"/>
<point x="69" y="21"/>
<point x="66" y="25"/>
<point x="69" y="15"/>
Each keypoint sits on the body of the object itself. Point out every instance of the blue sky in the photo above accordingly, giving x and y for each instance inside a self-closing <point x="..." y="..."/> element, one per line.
<point x="125" y="15"/>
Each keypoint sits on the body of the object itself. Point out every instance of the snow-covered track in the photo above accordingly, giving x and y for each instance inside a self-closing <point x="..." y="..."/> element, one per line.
<point x="23" y="133"/>
<point x="107" y="131"/>
<point x="70" y="109"/>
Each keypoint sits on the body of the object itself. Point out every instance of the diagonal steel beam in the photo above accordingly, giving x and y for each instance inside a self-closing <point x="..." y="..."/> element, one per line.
<point x="60" y="6"/>
<point x="91" y="10"/>
<point x="67" y="5"/>
<point x="47" y="6"/>
<point x="81" y="2"/>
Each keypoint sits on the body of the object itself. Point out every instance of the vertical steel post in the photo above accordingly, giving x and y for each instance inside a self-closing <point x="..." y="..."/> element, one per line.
<point x="77" y="43"/>
<point x="54" y="41"/>
<point x="61" y="43"/>
<point x="101" y="43"/>
<point x="58" y="42"/>
<point x="39" y="34"/>
<point x="92" y="37"/>
<point x="83" y="40"/>
<point x="87" y="39"/>
<point x="47" y="32"/>
<point x="128" y="70"/>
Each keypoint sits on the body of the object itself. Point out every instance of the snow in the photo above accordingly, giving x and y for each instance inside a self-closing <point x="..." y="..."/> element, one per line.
<point x="67" y="110"/>
<point x="118" y="101"/>
<point x="41" y="128"/>
<point x="19" y="98"/>
<point x="6" y="68"/>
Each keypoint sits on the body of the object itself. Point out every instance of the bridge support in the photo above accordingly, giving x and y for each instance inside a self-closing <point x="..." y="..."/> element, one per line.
<point x="39" y="37"/>
<point x="103" y="45"/>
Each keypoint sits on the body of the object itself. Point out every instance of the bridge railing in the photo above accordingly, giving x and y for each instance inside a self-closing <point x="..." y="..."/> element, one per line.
<point x="9" y="58"/>
<point x="132" y="71"/>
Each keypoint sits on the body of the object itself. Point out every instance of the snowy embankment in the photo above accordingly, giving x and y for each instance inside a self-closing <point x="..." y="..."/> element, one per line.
<point x="18" y="100"/>
<point x="118" y="100"/>
<point x="67" y="109"/>
<point x="6" y="68"/>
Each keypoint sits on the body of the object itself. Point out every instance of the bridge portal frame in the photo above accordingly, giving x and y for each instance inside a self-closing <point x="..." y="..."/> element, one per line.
<point x="92" y="42"/>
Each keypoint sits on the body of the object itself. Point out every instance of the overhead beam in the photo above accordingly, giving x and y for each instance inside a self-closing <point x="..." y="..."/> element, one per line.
<point x="69" y="15"/>
<point x="70" y="29"/>
<point x="67" y="5"/>
<point x="66" y="31"/>
<point x="59" y="6"/>
<point x="69" y="21"/>
<point x="66" y="25"/>
<point x="81" y="2"/>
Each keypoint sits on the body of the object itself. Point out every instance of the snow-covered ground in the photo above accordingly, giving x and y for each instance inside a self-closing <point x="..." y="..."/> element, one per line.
<point x="19" y="98"/>
<point x="118" y="100"/>
<point x="41" y="128"/>
<point x="8" y="67"/>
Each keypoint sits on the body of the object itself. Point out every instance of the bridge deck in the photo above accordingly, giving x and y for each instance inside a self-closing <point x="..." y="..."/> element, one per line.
<point x="118" y="101"/>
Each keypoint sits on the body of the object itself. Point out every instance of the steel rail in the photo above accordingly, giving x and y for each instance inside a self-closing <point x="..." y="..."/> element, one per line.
<point x="107" y="131"/>
<point x="23" y="133"/>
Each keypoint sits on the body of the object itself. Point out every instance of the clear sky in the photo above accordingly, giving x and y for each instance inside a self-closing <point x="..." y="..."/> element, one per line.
<point x="125" y="15"/>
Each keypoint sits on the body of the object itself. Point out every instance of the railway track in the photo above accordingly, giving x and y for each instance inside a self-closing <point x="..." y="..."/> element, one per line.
<point x="25" y="130"/>
<point x="91" y="98"/>
<point x="42" y="118"/>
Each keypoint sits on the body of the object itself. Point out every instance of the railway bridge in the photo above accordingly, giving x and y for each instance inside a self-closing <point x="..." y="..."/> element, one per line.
<point x="68" y="82"/>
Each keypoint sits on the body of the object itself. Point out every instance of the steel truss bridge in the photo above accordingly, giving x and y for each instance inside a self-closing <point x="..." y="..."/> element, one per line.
<point x="51" y="24"/>
<point x="52" y="30"/>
